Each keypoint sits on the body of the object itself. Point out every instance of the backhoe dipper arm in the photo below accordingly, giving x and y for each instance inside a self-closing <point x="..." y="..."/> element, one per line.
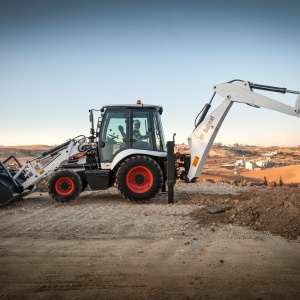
<point x="202" y="137"/>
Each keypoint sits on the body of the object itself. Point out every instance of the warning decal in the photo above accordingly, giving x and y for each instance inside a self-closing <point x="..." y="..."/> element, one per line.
<point x="196" y="161"/>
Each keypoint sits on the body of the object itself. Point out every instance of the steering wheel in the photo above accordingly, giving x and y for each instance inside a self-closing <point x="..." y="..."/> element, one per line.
<point x="112" y="137"/>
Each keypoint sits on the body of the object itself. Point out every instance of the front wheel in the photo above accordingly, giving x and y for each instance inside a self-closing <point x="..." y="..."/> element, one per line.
<point x="65" y="186"/>
<point x="139" y="178"/>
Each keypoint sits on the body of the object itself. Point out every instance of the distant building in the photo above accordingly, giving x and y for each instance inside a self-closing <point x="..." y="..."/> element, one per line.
<point x="250" y="165"/>
<point x="228" y="166"/>
<point x="240" y="162"/>
<point x="262" y="163"/>
<point x="265" y="164"/>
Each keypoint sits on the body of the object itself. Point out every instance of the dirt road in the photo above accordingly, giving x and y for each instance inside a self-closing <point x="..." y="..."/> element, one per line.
<point x="106" y="248"/>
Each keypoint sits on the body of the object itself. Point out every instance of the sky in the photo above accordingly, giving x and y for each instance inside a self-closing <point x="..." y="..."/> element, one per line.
<point x="61" y="58"/>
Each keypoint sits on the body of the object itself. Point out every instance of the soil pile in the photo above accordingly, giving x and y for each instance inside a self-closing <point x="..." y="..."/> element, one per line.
<point x="275" y="211"/>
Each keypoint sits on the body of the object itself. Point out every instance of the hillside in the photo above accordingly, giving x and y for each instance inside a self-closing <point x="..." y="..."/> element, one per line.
<point x="27" y="147"/>
<point x="288" y="174"/>
<point x="286" y="160"/>
<point x="22" y="152"/>
<point x="218" y="156"/>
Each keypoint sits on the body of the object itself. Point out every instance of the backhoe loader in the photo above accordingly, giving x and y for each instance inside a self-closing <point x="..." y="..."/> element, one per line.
<point x="137" y="161"/>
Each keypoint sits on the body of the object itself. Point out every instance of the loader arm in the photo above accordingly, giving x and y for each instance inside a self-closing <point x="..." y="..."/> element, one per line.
<point x="22" y="181"/>
<point x="202" y="137"/>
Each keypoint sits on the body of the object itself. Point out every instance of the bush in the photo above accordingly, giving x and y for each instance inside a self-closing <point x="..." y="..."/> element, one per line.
<point x="272" y="183"/>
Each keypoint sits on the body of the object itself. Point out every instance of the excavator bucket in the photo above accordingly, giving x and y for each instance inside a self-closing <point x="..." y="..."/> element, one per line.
<point x="6" y="191"/>
<point x="9" y="187"/>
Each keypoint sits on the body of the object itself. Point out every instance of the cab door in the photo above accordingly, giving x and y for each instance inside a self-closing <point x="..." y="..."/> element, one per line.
<point x="113" y="134"/>
<point x="141" y="137"/>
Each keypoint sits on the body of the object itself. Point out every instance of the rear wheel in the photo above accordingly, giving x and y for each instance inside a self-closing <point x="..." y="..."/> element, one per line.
<point x="139" y="178"/>
<point x="65" y="186"/>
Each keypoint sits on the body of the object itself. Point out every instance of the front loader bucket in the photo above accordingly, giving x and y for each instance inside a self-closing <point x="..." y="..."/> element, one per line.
<point x="6" y="192"/>
<point x="9" y="186"/>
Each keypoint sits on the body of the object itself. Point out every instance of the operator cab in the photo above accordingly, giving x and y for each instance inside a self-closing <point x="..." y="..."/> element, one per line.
<point x="130" y="127"/>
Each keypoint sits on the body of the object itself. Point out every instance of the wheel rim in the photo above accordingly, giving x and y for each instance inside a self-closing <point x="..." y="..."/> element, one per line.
<point x="139" y="179"/>
<point x="64" y="186"/>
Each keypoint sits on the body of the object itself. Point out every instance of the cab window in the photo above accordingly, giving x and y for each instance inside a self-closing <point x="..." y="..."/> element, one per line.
<point x="142" y="136"/>
<point x="158" y="133"/>
<point x="113" y="134"/>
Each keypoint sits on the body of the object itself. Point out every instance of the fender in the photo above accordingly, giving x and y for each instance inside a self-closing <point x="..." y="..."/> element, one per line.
<point x="131" y="152"/>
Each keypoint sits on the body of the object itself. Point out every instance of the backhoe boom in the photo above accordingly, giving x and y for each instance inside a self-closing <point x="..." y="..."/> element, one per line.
<point x="202" y="137"/>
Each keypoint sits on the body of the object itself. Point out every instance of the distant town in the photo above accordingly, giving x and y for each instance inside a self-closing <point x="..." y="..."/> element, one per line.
<point x="238" y="156"/>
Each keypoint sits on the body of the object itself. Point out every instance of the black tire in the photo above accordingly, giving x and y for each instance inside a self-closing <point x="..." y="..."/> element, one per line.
<point x="139" y="178"/>
<point x="65" y="186"/>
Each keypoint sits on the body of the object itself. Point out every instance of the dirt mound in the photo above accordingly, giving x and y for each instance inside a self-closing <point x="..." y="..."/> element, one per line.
<point x="274" y="211"/>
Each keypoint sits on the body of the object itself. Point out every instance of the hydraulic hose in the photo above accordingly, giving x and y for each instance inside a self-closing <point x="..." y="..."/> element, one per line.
<point x="271" y="88"/>
<point x="204" y="111"/>
<point x="52" y="150"/>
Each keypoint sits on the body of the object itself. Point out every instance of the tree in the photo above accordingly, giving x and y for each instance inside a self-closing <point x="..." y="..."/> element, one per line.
<point x="280" y="181"/>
